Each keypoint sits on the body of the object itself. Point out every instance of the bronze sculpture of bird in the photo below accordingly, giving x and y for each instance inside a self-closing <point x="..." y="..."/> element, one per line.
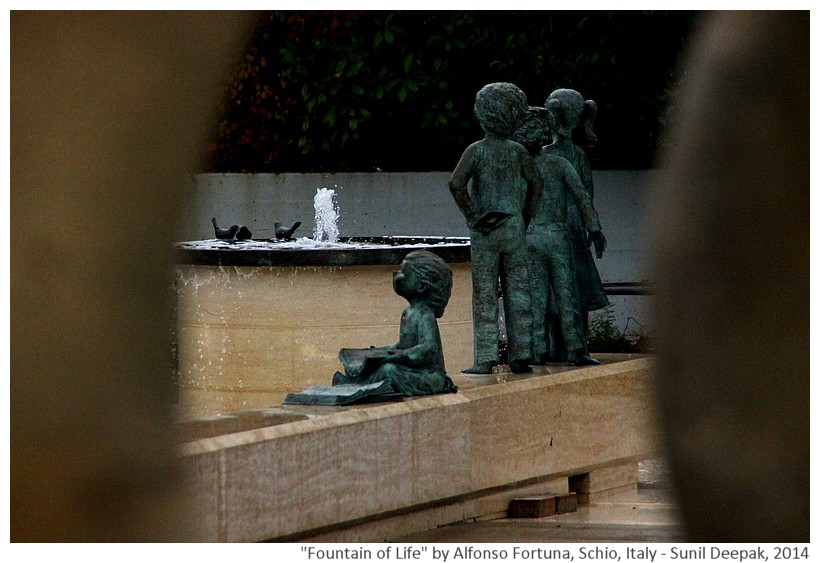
<point x="224" y="234"/>
<point x="283" y="233"/>
<point x="243" y="233"/>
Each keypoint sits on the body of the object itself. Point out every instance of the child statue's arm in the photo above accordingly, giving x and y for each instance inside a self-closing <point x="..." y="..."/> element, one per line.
<point x="535" y="186"/>
<point x="585" y="173"/>
<point x="583" y="201"/>
<point x="458" y="184"/>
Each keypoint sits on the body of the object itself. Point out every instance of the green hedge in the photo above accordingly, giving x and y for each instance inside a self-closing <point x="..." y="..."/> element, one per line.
<point x="362" y="91"/>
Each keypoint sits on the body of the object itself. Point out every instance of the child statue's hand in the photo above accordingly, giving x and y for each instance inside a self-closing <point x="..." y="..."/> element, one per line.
<point x="597" y="238"/>
<point x="395" y="356"/>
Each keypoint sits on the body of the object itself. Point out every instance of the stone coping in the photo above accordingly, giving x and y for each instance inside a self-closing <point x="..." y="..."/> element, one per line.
<point x="270" y="423"/>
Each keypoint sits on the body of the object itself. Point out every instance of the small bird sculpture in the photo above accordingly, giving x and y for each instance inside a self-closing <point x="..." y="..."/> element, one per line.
<point x="283" y="233"/>
<point x="224" y="234"/>
<point x="243" y="233"/>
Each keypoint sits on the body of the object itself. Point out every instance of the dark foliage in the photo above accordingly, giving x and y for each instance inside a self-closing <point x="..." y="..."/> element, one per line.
<point x="338" y="91"/>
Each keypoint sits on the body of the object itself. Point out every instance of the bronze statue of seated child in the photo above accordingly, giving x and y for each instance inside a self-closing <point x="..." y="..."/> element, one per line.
<point x="415" y="364"/>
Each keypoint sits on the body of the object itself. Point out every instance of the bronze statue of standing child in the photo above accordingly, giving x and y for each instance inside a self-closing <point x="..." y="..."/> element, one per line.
<point x="569" y="111"/>
<point x="553" y="282"/>
<point x="504" y="196"/>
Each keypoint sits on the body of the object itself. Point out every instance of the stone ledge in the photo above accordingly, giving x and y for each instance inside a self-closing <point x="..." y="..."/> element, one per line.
<point x="386" y="462"/>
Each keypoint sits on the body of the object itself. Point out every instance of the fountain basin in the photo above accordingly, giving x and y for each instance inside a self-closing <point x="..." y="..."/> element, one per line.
<point x="257" y="320"/>
<point x="349" y="251"/>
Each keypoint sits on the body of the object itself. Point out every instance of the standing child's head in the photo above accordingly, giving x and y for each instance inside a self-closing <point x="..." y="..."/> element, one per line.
<point x="569" y="110"/>
<point x="500" y="108"/>
<point x="426" y="276"/>
<point x="534" y="132"/>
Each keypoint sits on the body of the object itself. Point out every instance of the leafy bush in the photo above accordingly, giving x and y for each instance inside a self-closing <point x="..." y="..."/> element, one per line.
<point x="603" y="335"/>
<point x="347" y="90"/>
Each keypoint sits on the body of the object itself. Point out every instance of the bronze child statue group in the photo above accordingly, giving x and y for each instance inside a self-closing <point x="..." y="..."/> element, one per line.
<point x="540" y="251"/>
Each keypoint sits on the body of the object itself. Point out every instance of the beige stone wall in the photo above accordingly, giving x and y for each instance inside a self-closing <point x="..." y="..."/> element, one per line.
<point x="250" y="335"/>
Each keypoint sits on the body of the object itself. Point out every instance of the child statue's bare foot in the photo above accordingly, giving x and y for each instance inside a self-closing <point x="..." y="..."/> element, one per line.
<point x="479" y="368"/>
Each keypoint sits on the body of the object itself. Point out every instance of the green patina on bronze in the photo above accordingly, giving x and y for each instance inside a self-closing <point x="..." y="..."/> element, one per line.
<point x="570" y="111"/>
<point x="415" y="364"/>
<point x="552" y="260"/>
<point x="498" y="207"/>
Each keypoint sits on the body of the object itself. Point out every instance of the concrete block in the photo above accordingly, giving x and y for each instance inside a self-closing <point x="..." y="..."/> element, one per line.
<point x="567" y="502"/>
<point x="533" y="507"/>
<point x="494" y="503"/>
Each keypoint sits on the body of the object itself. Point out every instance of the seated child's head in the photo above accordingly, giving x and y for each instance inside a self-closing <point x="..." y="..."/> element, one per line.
<point x="426" y="276"/>
<point x="500" y="108"/>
